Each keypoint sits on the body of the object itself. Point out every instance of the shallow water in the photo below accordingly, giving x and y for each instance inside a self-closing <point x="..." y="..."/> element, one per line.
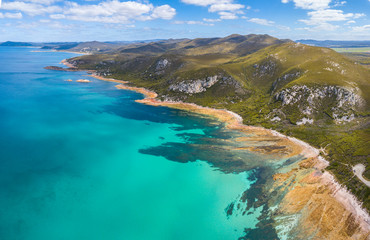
<point x="84" y="161"/>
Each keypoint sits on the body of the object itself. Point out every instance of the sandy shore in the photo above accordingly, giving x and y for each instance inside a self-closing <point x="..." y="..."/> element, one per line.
<point x="108" y="79"/>
<point x="65" y="51"/>
<point x="317" y="187"/>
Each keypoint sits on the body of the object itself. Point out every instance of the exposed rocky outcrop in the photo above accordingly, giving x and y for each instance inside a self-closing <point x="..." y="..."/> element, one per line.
<point x="162" y="64"/>
<point x="182" y="90"/>
<point x="344" y="96"/>
<point x="266" y="68"/>
<point x="341" y="101"/>
<point x="194" y="86"/>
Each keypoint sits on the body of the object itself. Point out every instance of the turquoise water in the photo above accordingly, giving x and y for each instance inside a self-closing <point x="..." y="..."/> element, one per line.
<point x="84" y="161"/>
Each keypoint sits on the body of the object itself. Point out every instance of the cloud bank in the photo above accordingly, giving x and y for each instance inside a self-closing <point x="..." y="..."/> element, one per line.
<point x="111" y="11"/>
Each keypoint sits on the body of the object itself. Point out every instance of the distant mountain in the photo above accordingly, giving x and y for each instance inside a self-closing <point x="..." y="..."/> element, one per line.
<point x="233" y="44"/>
<point x="15" y="44"/>
<point x="135" y="41"/>
<point x="93" y="46"/>
<point x="85" y="47"/>
<point x="335" y="44"/>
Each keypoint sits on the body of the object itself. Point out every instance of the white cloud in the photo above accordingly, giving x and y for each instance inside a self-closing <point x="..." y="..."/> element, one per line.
<point x="11" y="15"/>
<point x="324" y="27"/>
<point x="109" y="11"/>
<point x="321" y="13"/>
<point x="339" y="3"/>
<point x="164" y="12"/>
<point x="31" y="9"/>
<point x="329" y="15"/>
<point x="211" y="20"/>
<point x="205" y="3"/>
<point x="194" y="23"/>
<point x="365" y="28"/>
<point x="266" y="22"/>
<point x="45" y="2"/>
<point x="227" y="15"/>
<point x="282" y="27"/>
<point x="59" y="25"/>
<point x="57" y="16"/>
<point x="27" y="25"/>
<point x="261" y="21"/>
<point x="116" y="12"/>
<point x="310" y="4"/>
<point x="227" y="9"/>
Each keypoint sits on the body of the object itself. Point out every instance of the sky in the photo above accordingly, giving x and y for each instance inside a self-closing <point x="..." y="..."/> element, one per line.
<point x="121" y="20"/>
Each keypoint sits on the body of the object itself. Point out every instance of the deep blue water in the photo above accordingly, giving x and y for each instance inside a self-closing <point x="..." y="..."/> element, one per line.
<point x="84" y="161"/>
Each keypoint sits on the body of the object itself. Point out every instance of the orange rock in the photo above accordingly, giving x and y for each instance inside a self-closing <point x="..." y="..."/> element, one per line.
<point x="83" y="81"/>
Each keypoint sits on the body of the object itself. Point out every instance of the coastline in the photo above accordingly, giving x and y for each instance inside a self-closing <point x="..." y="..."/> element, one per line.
<point x="107" y="79"/>
<point x="48" y="50"/>
<point x="313" y="185"/>
<point x="81" y="53"/>
<point x="64" y="62"/>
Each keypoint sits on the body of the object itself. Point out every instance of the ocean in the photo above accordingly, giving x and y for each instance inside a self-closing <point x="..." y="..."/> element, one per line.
<point x="85" y="161"/>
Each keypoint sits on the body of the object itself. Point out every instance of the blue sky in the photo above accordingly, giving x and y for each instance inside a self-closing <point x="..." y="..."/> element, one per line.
<point x="121" y="20"/>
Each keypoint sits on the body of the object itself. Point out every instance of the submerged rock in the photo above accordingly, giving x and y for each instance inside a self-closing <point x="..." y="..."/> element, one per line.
<point x="83" y="81"/>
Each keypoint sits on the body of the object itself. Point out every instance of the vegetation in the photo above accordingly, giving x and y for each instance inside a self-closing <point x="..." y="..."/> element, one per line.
<point x="252" y="72"/>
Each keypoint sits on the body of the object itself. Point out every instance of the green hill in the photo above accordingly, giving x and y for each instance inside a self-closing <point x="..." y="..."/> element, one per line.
<point x="312" y="93"/>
